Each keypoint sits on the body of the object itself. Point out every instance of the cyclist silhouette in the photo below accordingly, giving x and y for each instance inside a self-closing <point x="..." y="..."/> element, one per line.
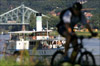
<point x="68" y="19"/>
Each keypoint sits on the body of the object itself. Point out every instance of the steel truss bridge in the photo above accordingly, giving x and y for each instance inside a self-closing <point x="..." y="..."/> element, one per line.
<point x="18" y="16"/>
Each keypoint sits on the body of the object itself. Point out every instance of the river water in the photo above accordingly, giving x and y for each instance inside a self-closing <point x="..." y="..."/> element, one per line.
<point x="92" y="45"/>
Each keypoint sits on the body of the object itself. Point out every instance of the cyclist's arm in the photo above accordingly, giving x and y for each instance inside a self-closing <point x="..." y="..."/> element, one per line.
<point x="89" y="28"/>
<point x="68" y="28"/>
<point x="84" y="21"/>
<point x="67" y="20"/>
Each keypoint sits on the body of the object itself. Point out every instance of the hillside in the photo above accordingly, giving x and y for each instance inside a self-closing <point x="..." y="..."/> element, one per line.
<point x="46" y="6"/>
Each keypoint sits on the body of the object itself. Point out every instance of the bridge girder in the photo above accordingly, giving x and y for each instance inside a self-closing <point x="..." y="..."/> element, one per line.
<point x="19" y="15"/>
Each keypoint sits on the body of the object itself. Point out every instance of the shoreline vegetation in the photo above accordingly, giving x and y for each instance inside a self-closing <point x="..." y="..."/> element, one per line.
<point x="23" y="59"/>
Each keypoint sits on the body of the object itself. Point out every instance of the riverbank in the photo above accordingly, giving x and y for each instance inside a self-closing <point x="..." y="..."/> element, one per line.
<point x="55" y="33"/>
<point x="37" y="60"/>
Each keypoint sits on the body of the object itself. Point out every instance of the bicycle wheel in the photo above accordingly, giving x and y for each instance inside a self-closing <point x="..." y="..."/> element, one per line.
<point x="56" y="58"/>
<point x="87" y="59"/>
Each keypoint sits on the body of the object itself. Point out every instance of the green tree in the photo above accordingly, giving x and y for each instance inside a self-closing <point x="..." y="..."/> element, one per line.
<point x="32" y="21"/>
<point x="95" y="21"/>
<point x="53" y="21"/>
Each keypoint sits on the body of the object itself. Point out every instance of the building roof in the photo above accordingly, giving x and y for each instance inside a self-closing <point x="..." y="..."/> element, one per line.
<point x="27" y="32"/>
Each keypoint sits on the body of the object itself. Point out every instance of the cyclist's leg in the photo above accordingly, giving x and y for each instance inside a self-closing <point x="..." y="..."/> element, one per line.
<point x="68" y="41"/>
<point x="75" y="49"/>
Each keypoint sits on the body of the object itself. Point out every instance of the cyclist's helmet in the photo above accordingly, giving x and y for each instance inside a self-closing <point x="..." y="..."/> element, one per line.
<point x="77" y="6"/>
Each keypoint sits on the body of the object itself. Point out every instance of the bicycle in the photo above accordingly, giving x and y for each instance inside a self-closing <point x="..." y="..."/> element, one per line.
<point x="84" y="58"/>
